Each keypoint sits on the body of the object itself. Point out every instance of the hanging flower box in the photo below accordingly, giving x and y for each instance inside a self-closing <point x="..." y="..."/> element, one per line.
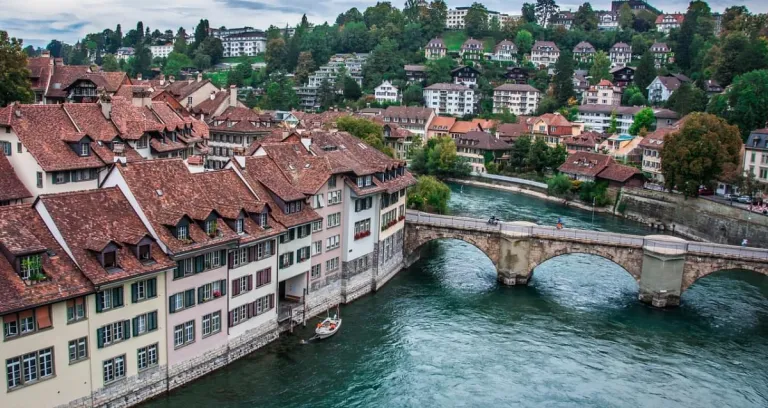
<point x="216" y="293"/>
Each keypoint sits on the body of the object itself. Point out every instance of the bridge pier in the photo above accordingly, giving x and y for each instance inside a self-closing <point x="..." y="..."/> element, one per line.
<point x="661" y="280"/>
<point x="513" y="267"/>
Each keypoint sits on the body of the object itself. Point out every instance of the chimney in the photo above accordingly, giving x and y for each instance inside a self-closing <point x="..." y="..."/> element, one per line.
<point x="138" y="76"/>
<point x="46" y="54"/>
<point x="199" y="77"/>
<point x="233" y="95"/>
<point x="106" y="108"/>
<point x="213" y="95"/>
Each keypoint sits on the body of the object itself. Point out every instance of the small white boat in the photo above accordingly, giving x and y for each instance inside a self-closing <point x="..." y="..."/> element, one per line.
<point x="328" y="327"/>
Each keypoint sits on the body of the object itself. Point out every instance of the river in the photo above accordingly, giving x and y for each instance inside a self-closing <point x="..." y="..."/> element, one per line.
<point x="445" y="333"/>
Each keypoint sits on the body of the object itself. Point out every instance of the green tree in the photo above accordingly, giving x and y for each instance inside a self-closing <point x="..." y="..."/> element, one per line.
<point x="645" y="72"/>
<point x="175" y="63"/>
<point x="687" y="99"/>
<point x="304" y="67"/>
<point x="439" y="71"/>
<point x="438" y="158"/>
<point x="518" y="159"/>
<point x="201" y="31"/>
<point x="697" y="20"/>
<point x="476" y="20"/>
<point x="545" y="10"/>
<point x="202" y="61"/>
<point x="539" y="156"/>
<point x="430" y="195"/>
<point x="141" y="62"/>
<point x="109" y="63"/>
<point x="524" y="42"/>
<point x="180" y="41"/>
<point x="701" y="151"/>
<point x="644" y="119"/>
<point x="594" y="192"/>
<point x="212" y="47"/>
<point x="529" y="13"/>
<point x="585" y="18"/>
<point x="563" y="80"/>
<point x="385" y="62"/>
<point x="745" y="103"/>
<point x="14" y="75"/>
<point x="355" y="37"/>
<point x="413" y="95"/>
<point x="276" y="54"/>
<point x="352" y="91"/>
<point x="326" y="94"/>
<point x="738" y="55"/>
<point x="613" y="127"/>
<point x="560" y="186"/>
<point x="434" y="24"/>
<point x="626" y="18"/>
<point x="279" y="94"/>
<point x="638" y="100"/>
<point x="601" y="68"/>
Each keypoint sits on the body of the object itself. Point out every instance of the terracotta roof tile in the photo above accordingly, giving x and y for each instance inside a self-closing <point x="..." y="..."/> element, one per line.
<point x="22" y="228"/>
<point x="442" y="123"/>
<point x="11" y="187"/>
<point x="239" y="119"/>
<point x="618" y="172"/>
<point x="408" y="112"/>
<point x="89" y="220"/>
<point x="586" y="164"/>
<point x="483" y="141"/>
<point x="63" y="76"/>
<point x="462" y="126"/>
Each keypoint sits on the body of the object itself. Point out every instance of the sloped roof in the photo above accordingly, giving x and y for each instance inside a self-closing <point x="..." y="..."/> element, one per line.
<point x="538" y="45"/>
<point x="408" y="112"/>
<point x="678" y="17"/>
<point x="442" y="123"/>
<point x="516" y="87"/>
<point x="584" y="47"/>
<point x="11" y="187"/>
<point x="483" y="141"/>
<point x="585" y="163"/>
<point x="436" y="43"/>
<point x="618" y="172"/>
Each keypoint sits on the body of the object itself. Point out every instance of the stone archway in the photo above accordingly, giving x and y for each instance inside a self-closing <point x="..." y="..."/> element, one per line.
<point x="697" y="267"/>
<point x="487" y="242"/>
<point x="628" y="258"/>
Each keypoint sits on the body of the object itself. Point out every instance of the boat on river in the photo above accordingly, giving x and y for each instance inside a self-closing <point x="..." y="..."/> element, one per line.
<point x="328" y="327"/>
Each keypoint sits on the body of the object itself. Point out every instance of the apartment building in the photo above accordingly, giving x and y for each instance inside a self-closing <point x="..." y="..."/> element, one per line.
<point x="435" y="49"/>
<point x="161" y="51"/>
<point x="662" y="54"/>
<point x="553" y="128"/>
<point x="607" y="21"/>
<point x="598" y="117"/>
<point x="46" y="335"/>
<point x="518" y="99"/>
<point x="245" y="44"/>
<point x="584" y="53"/>
<point x="450" y="99"/>
<point x="666" y="22"/>
<point x="756" y="155"/>
<point x="386" y="93"/>
<point x="465" y="75"/>
<point x="100" y="231"/>
<point x="455" y="18"/>
<point x="413" y="118"/>
<point x="620" y="54"/>
<point x="472" y="49"/>
<point x="623" y="75"/>
<point x="476" y="145"/>
<point x="351" y="64"/>
<point x="505" y="51"/>
<point x="398" y="139"/>
<point x="662" y="87"/>
<point x="233" y="131"/>
<point x="440" y="126"/>
<point x="563" y="19"/>
<point x="604" y="93"/>
<point x="544" y="53"/>
<point x="54" y="82"/>
<point x="651" y="146"/>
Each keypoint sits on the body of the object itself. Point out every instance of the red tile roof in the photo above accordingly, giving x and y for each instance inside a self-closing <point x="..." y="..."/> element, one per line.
<point x="442" y="123"/>
<point x="11" y="187"/>
<point x="585" y="164"/>
<point x="23" y="231"/>
<point x="483" y="141"/>
<point x="89" y="220"/>
<point x="462" y="126"/>
<point x="619" y="172"/>
<point x="242" y="120"/>
<point x="63" y="76"/>
<point x="40" y="71"/>
<point x="408" y="112"/>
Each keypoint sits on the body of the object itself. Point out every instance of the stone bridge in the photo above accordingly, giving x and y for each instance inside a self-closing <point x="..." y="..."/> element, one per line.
<point x="663" y="266"/>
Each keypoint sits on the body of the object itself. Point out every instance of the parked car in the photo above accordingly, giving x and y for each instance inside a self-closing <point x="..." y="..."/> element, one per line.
<point x="706" y="191"/>
<point x="744" y="199"/>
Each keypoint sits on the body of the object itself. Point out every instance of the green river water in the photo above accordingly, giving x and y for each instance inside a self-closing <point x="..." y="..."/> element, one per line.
<point x="444" y="333"/>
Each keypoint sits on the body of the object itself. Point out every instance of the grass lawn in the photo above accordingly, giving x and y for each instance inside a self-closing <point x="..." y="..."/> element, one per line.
<point x="218" y="78"/>
<point x="454" y="39"/>
<point x="244" y="59"/>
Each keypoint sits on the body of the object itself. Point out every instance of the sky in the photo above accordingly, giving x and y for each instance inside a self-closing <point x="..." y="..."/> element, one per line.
<point x="39" y="21"/>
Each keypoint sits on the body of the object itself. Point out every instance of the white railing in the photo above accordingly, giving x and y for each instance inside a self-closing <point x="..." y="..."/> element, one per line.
<point x="729" y="251"/>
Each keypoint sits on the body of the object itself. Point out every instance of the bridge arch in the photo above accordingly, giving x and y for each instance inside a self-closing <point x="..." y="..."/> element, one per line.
<point x="697" y="267"/>
<point x="628" y="258"/>
<point x="600" y="254"/>
<point x="487" y="243"/>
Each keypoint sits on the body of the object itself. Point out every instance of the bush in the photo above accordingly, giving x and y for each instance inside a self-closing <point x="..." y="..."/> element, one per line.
<point x="560" y="186"/>
<point x="594" y="191"/>
<point x="430" y="195"/>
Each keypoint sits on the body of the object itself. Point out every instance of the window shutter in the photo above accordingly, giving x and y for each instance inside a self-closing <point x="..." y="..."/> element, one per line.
<point x="179" y="271"/>
<point x="190" y="300"/>
<point x="152" y="287"/>
<point x="100" y="338"/>
<point x="152" y="321"/>
<point x="271" y="300"/>
<point x="235" y="288"/>
<point x="200" y="294"/>
<point x="99" y="301"/>
<point x="126" y="329"/>
<point x="222" y="256"/>
<point x="199" y="264"/>
<point x="223" y="286"/>
<point x="250" y="282"/>
<point x="134" y="292"/>
<point x="135" y="326"/>
<point x="249" y="309"/>
<point x="231" y="318"/>
<point x="252" y="254"/>
<point x="231" y="260"/>
<point x="171" y="304"/>
<point x="117" y="295"/>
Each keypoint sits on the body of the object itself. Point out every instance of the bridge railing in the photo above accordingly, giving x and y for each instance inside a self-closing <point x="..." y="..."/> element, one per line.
<point x="448" y="221"/>
<point x="585" y="235"/>
<point x="757" y="254"/>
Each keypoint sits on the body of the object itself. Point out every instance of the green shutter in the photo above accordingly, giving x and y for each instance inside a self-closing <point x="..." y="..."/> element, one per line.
<point x="99" y="298"/>
<point x="99" y="338"/>
<point x="127" y="329"/>
<point x="134" y="292"/>
<point x="152" y="288"/>
<point x="200" y="294"/>
<point x="190" y="298"/>
<point x="223" y="257"/>
<point x="223" y="286"/>
<point x="178" y="272"/>
<point x="199" y="264"/>
<point x="152" y="321"/>
<point x="117" y="297"/>
<point x="135" y="326"/>
<point x="171" y="304"/>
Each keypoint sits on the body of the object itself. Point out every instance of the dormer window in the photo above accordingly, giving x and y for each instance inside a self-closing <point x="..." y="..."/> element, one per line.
<point x="293" y="207"/>
<point x="145" y="254"/>
<point x="31" y="266"/>
<point x="85" y="149"/>
<point x="109" y="260"/>
<point x="263" y="217"/>
<point x="211" y="227"/>
<point x="182" y="232"/>
<point x="239" y="225"/>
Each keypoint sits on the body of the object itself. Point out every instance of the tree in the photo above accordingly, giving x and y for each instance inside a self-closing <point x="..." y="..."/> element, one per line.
<point x="212" y="47"/>
<point x="180" y="43"/>
<point x="639" y="45"/>
<point x="413" y="95"/>
<point x="275" y="55"/>
<point x="520" y="149"/>
<point x="304" y="67"/>
<point x="352" y="91"/>
<point x="439" y="71"/>
<point x="524" y="42"/>
<point x="109" y="63"/>
<point x="626" y="18"/>
<point x="430" y="195"/>
<point x="645" y="72"/>
<point x="600" y="69"/>
<point x="613" y="127"/>
<point x="697" y="20"/>
<point x="476" y="20"/>
<point x="563" y="80"/>
<point x="539" y="156"/>
<point x="355" y="37"/>
<point x="14" y="75"/>
<point x="699" y="153"/>
<point x="644" y="119"/>
<point x="560" y="186"/>
<point x="687" y="99"/>
<point x="279" y="94"/>
<point x="202" y="61"/>
<point x="545" y="10"/>
<point x="438" y="158"/>
<point x="434" y="24"/>
<point x="529" y="13"/>
<point x="638" y="100"/>
<point x="141" y="62"/>
<point x="594" y="192"/>
<point x="326" y="94"/>
<point x="745" y="103"/>
<point x="585" y="18"/>
<point x="175" y="63"/>
<point x="366" y="130"/>
<point x="201" y="31"/>
<point x="739" y="54"/>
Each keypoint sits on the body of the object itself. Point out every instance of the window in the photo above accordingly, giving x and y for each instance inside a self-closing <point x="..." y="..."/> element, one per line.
<point x="315" y="272"/>
<point x="31" y="367"/>
<point x="114" y="369"/>
<point x="110" y="259"/>
<point x="7" y="147"/>
<point x="265" y="250"/>
<point x="85" y="149"/>
<point x="293" y="207"/>
<point x="288" y="236"/>
<point x="334" y="220"/>
<point x="264" y="304"/>
<point x="331" y="265"/>
<point x="239" y="225"/>
<point x="212" y="259"/>
<point x="109" y="299"/>
<point x="145" y="254"/>
<point x="113" y="333"/>
<point x="184" y="334"/>
<point x="182" y="232"/>
<point x="302" y="254"/>
<point x="242" y="284"/>
<point x="146" y="357"/>
<point x="263" y="277"/>
<point x="181" y="300"/>
<point x="189" y="101"/>
<point x="363" y="204"/>
<point x="334" y="197"/>
<point x="143" y="142"/>
<point x="144" y="323"/>
<point x="75" y="309"/>
<point x="240" y="314"/>
<point x="332" y="182"/>
<point x="303" y="231"/>
<point x="239" y="257"/>
<point x="286" y="260"/>
<point x="78" y="349"/>
<point x="143" y="289"/>
<point x="317" y="226"/>
<point x="211" y="291"/>
<point x="31" y="265"/>
<point x="318" y="201"/>
<point x="211" y="323"/>
<point x="332" y="242"/>
<point x="362" y="228"/>
<point x="317" y="248"/>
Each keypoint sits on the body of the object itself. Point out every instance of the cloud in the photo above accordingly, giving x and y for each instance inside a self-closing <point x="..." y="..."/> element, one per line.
<point x="257" y="5"/>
